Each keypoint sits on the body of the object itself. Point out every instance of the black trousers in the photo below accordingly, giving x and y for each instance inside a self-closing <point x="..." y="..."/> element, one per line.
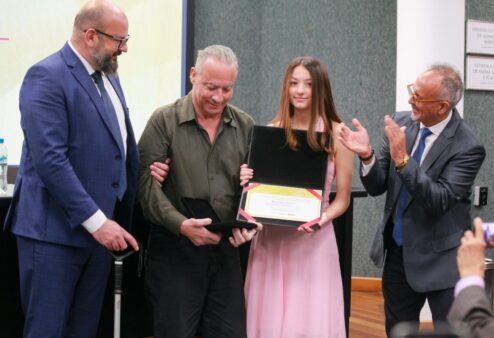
<point x="401" y="302"/>
<point x="194" y="289"/>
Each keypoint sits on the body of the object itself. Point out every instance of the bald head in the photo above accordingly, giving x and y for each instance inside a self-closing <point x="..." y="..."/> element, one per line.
<point x="100" y="34"/>
<point x="97" y="14"/>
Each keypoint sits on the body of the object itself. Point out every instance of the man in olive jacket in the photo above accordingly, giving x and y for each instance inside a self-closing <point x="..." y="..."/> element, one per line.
<point x="193" y="276"/>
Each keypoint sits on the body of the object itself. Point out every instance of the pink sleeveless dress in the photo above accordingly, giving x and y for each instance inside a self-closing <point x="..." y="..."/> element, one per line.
<point x="293" y="287"/>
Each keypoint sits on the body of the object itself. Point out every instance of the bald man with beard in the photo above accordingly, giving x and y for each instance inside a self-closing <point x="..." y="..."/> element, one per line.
<point x="75" y="190"/>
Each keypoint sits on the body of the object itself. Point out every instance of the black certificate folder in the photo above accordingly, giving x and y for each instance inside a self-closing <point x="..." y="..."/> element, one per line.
<point x="288" y="185"/>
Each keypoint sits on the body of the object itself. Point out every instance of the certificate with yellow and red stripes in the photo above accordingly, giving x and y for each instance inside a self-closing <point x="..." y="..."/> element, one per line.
<point x="281" y="203"/>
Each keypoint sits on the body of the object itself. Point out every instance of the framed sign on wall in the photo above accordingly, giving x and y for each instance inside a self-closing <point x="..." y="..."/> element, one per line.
<point x="480" y="37"/>
<point x="480" y="73"/>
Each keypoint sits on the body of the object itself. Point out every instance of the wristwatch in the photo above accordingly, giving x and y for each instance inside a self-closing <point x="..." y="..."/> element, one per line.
<point x="403" y="164"/>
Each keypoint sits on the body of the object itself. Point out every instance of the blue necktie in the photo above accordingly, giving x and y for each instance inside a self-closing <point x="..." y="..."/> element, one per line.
<point x="403" y="197"/>
<point x="111" y="113"/>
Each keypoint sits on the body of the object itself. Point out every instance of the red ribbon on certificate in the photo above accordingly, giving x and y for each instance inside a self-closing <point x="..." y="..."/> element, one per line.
<point x="316" y="220"/>
<point x="310" y="223"/>
<point x="241" y="211"/>
<point x="315" y="193"/>
<point x="246" y="215"/>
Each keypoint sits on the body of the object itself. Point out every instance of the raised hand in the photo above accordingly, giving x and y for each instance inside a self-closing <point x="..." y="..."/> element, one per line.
<point x="357" y="141"/>
<point x="397" y="139"/>
<point x="471" y="253"/>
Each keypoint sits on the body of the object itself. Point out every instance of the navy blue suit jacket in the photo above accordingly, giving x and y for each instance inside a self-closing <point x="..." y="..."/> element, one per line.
<point x="438" y="210"/>
<point x="71" y="160"/>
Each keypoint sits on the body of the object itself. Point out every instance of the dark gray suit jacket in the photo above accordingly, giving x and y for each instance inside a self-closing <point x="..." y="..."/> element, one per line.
<point x="438" y="210"/>
<point x="472" y="308"/>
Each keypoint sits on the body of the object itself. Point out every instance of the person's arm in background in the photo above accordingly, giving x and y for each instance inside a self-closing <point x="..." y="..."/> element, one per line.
<point x="471" y="255"/>
<point x="471" y="306"/>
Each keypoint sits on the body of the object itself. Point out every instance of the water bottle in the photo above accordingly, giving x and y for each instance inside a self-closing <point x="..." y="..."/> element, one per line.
<point x="3" y="166"/>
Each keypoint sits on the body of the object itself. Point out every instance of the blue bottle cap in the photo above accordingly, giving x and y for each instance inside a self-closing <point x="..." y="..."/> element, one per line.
<point x="1" y="140"/>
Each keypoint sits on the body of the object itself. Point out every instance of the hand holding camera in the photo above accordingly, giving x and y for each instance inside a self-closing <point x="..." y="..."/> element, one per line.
<point x="471" y="252"/>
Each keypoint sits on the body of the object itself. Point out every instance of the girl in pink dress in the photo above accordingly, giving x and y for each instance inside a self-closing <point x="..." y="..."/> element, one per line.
<point x="293" y="285"/>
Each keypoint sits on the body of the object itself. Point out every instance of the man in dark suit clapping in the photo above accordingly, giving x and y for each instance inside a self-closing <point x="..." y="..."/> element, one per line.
<point x="426" y="165"/>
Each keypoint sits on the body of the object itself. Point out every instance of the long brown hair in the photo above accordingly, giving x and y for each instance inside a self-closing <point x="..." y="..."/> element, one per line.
<point x="322" y="105"/>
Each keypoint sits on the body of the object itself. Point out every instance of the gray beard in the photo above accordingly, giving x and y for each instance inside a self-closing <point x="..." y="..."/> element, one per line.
<point x="105" y="63"/>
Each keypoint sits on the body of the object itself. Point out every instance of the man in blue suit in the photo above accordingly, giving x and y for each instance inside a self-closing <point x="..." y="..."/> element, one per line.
<point x="427" y="165"/>
<point x="77" y="180"/>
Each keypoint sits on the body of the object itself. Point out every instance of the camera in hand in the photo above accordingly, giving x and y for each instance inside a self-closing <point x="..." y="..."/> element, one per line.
<point x="489" y="233"/>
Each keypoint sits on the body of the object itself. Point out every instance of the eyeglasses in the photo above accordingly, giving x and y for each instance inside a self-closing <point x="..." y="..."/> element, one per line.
<point x="411" y="92"/>
<point x="122" y="41"/>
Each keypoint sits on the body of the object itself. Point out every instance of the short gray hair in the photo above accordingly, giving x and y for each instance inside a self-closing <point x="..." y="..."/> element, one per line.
<point x="218" y="52"/>
<point x="451" y="83"/>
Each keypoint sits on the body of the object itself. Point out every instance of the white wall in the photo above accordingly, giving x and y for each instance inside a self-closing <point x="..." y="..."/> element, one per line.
<point x="150" y="72"/>
<point x="428" y="31"/>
